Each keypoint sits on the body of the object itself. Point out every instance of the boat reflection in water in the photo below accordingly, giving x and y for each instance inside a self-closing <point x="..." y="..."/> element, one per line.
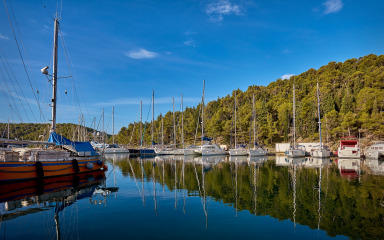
<point x="269" y="197"/>
<point x="30" y="197"/>
<point x="349" y="167"/>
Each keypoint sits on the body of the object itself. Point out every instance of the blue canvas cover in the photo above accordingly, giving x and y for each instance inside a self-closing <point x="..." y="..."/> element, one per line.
<point x="77" y="146"/>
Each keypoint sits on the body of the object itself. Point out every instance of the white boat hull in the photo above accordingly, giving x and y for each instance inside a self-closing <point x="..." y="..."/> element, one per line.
<point x="348" y="153"/>
<point x="238" y="152"/>
<point x="318" y="153"/>
<point x="296" y="153"/>
<point x="257" y="152"/>
<point x="164" y="152"/>
<point x="178" y="152"/>
<point x="115" y="150"/>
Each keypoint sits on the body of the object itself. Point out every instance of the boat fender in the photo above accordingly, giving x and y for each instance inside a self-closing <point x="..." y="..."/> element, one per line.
<point x="39" y="169"/>
<point x="100" y="163"/>
<point x="75" y="165"/>
<point x="89" y="165"/>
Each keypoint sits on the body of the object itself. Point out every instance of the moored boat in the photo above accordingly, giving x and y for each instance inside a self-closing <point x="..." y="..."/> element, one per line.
<point x="348" y="148"/>
<point x="375" y="151"/>
<point x="63" y="157"/>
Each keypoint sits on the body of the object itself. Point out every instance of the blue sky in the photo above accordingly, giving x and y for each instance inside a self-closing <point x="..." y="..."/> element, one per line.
<point x="122" y="50"/>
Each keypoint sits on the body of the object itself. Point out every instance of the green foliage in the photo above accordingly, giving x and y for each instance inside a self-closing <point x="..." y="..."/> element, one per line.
<point x="351" y="95"/>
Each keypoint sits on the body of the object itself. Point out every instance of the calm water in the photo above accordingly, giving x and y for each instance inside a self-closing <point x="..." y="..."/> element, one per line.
<point x="202" y="198"/>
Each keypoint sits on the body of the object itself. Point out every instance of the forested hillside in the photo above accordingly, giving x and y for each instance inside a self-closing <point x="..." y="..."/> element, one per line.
<point x="352" y="99"/>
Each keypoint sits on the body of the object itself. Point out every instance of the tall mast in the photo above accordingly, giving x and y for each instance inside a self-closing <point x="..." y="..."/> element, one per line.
<point x="254" y="121"/>
<point x="202" y="115"/>
<point x="162" y="130"/>
<point x="235" y="124"/>
<point x="141" y="121"/>
<point x="113" y="125"/>
<point x="318" y="109"/>
<point x="8" y="128"/>
<point x="54" y="79"/>
<point x="294" y="118"/>
<point x="94" y="128"/>
<point x="174" y="122"/>
<point x="153" y="113"/>
<point x="103" y="132"/>
<point x="182" y="120"/>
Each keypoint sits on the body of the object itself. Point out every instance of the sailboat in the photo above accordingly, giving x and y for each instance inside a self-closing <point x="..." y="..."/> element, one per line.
<point x="181" y="151"/>
<point x="321" y="151"/>
<point x="63" y="157"/>
<point x="294" y="150"/>
<point x="148" y="151"/>
<point x="114" y="148"/>
<point x="168" y="150"/>
<point x="238" y="150"/>
<point x="256" y="150"/>
<point x="206" y="148"/>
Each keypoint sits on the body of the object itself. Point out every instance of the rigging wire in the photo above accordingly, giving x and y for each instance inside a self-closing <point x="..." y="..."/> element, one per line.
<point x="18" y="84"/>
<point x="22" y="60"/>
<point x="11" y="95"/>
<point x="14" y="88"/>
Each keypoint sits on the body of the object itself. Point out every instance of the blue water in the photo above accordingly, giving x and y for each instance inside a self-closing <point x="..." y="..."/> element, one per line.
<point x="213" y="202"/>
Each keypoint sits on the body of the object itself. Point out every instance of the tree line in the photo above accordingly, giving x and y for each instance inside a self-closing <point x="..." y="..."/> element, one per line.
<point x="352" y="103"/>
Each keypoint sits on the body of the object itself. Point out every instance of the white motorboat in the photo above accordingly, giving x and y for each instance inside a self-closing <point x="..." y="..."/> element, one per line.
<point x="375" y="151"/>
<point x="349" y="148"/>
<point x="209" y="149"/>
<point x="114" y="148"/>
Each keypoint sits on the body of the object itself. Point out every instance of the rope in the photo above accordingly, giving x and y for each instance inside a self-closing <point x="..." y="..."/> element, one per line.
<point x="22" y="60"/>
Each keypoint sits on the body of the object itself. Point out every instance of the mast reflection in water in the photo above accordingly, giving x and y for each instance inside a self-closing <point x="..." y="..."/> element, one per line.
<point x="212" y="197"/>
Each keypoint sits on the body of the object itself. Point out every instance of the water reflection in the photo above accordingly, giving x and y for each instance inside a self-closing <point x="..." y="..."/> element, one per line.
<point x="239" y="192"/>
<point x="52" y="194"/>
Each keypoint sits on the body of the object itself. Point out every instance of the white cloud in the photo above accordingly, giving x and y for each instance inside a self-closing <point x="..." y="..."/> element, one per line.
<point x="287" y="51"/>
<point x="216" y="11"/>
<point x="287" y="76"/>
<point x="190" y="43"/>
<point x="140" y="54"/>
<point x="332" y="6"/>
<point x="3" y="37"/>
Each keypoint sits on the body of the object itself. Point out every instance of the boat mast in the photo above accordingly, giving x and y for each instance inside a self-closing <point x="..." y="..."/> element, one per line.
<point x="54" y="79"/>
<point x="103" y="133"/>
<point x="235" y="124"/>
<point x="254" y="121"/>
<point x="113" y="125"/>
<point x="182" y="120"/>
<point x="8" y="128"/>
<point x="141" y="121"/>
<point x="153" y="113"/>
<point x="294" y="120"/>
<point x="318" y="109"/>
<point x="174" y="122"/>
<point x="202" y="115"/>
<point x="162" y="130"/>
